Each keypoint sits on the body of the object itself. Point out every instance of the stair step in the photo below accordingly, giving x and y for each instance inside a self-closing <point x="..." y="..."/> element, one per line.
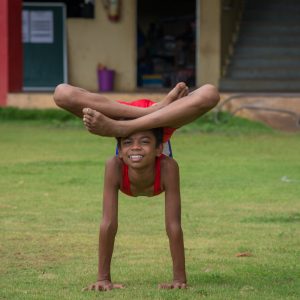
<point x="246" y="85"/>
<point x="264" y="73"/>
<point x="272" y="15"/>
<point x="269" y="28"/>
<point x="273" y="40"/>
<point x="265" y="50"/>
<point x="271" y="4"/>
<point x="266" y="56"/>
<point x="265" y="62"/>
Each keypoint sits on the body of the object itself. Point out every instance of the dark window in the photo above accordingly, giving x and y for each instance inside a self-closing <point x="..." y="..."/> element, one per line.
<point x="75" y="8"/>
<point x="166" y="42"/>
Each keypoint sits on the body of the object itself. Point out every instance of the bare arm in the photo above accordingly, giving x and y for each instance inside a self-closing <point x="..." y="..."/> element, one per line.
<point x="108" y="227"/>
<point x="173" y="223"/>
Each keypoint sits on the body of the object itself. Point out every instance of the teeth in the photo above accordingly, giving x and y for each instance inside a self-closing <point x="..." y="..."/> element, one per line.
<point x="136" y="157"/>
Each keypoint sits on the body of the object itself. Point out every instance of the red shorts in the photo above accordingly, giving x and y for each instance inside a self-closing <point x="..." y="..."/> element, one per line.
<point x="168" y="131"/>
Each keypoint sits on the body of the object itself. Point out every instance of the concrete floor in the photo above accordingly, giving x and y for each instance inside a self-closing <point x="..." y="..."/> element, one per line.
<point x="280" y="111"/>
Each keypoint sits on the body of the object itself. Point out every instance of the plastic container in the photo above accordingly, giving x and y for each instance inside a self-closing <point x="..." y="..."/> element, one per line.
<point x="106" y="79"/>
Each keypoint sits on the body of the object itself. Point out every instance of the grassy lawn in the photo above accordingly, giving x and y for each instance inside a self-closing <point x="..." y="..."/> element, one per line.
<point x="240" y="194"/>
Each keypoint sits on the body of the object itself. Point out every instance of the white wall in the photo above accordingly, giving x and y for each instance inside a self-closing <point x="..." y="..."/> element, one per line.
<point x="93" y="41"/>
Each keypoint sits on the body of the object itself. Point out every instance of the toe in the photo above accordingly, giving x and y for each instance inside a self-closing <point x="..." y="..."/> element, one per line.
<point x="88" y="111"/>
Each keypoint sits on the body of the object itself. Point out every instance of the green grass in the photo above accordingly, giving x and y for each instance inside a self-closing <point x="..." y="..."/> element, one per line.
<point x="240" y="193"/>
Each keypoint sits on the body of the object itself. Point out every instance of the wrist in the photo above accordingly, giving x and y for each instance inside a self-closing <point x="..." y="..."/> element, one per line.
<point x="183" y="280"/>
<point x="103" y="278"/>
<point x="179" y="278"/>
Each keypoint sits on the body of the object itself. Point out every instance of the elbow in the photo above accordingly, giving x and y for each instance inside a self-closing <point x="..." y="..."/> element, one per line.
<point x="109" y="227"/>
<point x="174" y="231"/>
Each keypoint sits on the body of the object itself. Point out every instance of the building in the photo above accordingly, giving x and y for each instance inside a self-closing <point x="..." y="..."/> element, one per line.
<point x="199" y="41"/>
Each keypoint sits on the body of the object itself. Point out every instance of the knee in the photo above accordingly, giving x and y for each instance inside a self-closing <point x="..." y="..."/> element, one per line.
<point x="212" y="95"/>
<point x="62" y="94"/>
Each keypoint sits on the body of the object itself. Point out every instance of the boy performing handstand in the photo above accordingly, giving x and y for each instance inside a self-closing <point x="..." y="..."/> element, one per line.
<point x="140" y="169"/>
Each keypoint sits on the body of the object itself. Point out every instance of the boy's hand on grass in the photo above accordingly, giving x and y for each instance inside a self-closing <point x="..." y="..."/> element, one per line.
<point x="173" y="285"/>
<point x="103" y="285"/>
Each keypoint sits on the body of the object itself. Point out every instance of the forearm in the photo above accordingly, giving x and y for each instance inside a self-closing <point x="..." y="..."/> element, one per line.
<point x="106" y="247"/>
<point x="177" y="253"/>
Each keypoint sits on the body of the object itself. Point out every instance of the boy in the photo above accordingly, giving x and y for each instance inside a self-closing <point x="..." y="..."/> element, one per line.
<point x="140" y="168"/>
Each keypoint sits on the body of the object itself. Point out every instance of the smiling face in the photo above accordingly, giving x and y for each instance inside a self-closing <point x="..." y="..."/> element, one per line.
<point x="139" y="149"/>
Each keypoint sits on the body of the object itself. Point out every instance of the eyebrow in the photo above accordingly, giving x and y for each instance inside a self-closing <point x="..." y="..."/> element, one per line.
<point x="145" y="136"/>
<point x="142" y="137"/>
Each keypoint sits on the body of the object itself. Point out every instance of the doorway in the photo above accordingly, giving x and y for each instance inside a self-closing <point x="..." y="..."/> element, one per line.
<point x="166" y="42"/>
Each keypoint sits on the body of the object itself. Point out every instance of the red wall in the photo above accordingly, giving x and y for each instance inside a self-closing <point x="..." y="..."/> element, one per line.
<point x="3" y="51"/>
<point x="11" y="53"/>
<point x="15" y="46"/>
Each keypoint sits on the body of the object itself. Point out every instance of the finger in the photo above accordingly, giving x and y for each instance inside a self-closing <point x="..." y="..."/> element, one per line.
<point x="179" y="286"/>
<point x="100" y="288"/>
<point x="165" y="286"/>
<point x="108" y="287"/>
<point x="118" y="286"/>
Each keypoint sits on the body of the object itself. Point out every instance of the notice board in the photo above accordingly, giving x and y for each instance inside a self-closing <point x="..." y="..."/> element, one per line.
<point x="44" y="45"/>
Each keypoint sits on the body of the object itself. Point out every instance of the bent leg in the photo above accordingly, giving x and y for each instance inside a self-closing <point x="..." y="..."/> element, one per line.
<point x="176" y="114"/>
<point x="74" y="99"/>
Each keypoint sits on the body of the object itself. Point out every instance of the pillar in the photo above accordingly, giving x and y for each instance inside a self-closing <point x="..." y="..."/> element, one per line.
<point x="11" y="53"/>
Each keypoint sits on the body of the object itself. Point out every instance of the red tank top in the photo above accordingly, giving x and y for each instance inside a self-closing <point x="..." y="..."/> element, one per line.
<point x="168" y="131"/>
<point x="125" y="187"/>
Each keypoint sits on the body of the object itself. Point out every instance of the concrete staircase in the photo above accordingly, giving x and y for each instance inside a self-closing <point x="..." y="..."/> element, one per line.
<point x="266" y="55"/>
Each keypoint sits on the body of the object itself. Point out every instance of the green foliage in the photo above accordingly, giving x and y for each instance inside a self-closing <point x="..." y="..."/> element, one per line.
<point x="17" y="114"/>
<point x="208" y="123"/>
<point x="224" y="122"/>
<point x="234" y="200"/>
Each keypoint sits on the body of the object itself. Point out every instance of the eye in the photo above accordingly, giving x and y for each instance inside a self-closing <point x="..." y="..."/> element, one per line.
<point x="126" y="142"/>
<point x="145" y="141"/>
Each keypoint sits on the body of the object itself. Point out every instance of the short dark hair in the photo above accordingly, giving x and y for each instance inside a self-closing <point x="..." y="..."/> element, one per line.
<point x="157" y="132"/>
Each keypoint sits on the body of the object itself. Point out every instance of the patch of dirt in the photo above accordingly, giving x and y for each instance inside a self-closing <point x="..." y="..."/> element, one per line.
<point x="280" y="112"/>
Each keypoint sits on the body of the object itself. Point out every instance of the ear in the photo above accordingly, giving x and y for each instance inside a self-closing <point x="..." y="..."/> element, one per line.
<point x="119" y="153"/>
<point x="159" y="150"/>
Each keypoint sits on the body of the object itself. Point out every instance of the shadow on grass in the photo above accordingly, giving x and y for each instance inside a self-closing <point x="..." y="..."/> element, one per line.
<point x="289" y="218"/>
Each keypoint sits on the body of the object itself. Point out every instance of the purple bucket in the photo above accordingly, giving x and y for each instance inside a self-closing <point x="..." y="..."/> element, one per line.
<point x="106" y="80"/>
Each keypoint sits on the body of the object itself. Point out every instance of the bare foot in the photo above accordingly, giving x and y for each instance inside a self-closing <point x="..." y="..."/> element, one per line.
<point x="174" y="285"/>
<point x="99" y="124"/>
<point x="179" y="91"/>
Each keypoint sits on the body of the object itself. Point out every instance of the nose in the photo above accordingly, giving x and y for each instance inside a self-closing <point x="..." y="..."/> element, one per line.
<point x="136" y="146"/>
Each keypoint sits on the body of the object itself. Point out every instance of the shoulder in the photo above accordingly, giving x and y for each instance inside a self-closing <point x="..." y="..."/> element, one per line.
<point x="169" y="164"/>
<point x="169" y="172"/>
<point x="113" y="167"/>
<point x="113" y="162"/>
<point x="170" y="176"/>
